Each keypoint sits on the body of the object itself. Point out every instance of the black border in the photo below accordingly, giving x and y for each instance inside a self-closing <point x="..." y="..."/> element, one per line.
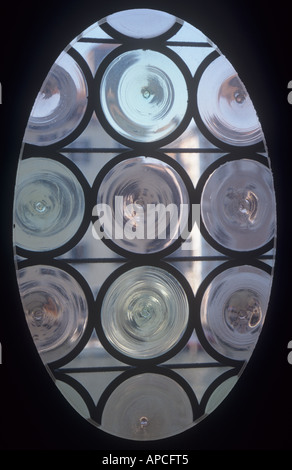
<point x="255" y="417"/>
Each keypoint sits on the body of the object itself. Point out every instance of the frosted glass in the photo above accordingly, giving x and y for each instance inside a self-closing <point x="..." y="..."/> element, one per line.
<point x="225" y="106"/>
<point x="60" y="104"/>
<point x="49" y="205"/>
<point x="143" y="95"/>
<point x="55" y="309"/>
<point x="144" y="312"/>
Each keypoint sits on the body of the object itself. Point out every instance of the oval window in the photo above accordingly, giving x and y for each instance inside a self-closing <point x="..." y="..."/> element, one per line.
<point x="144" y="225"/>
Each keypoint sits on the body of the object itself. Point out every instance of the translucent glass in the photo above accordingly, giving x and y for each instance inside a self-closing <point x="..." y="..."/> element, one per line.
<point x="147" y="407"/>
<point x="225" y="106"/>
<point x="188" y="33"/>
<point x="127" y="148"/>
<point x="238" y="205"/>
<point x="55" y="308"/>
<point x="233" y="310"/>
<point x="144" y="312"/>
<point x="143" y="95"/>
<point x="141" y="23"/>
<point x="154" y="204"/>
<point x="220" y="394"/>
<point x="48" y="205"/>
<point x="60" y="104"/>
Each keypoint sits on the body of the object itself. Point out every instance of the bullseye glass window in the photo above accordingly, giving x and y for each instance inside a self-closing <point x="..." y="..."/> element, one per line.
<point x="144" y="225"/>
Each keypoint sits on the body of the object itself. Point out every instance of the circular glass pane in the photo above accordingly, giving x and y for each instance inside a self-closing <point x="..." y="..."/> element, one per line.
<point x="143" y="95"/>
<point x="60" y="104"/>
<point x="225" y="106"/>
<point x="147" y="407"/>
<point x="55" y="309"/>
<point x="238" y="205"/>
<point x="132" y="22"/>
<point x="145" y="312"/>
<point x="146" y="204"/>
<point x="233" y="310"/>
<point x="49" y="205"/>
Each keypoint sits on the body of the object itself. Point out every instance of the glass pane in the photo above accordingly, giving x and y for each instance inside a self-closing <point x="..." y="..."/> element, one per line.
<point x="49" y="205"/>
<point x="139" y="312"/>
<point x="143" y="95"/>
<point x="142" y="23"/>
<point x="225" y="106"/>
<point x="60" y="104"/>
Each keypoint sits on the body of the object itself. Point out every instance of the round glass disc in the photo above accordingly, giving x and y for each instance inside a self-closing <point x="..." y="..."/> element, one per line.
<point x="233" y="310"/>
<point x="238" y="205"/>
<point x="143" y="95"/>
<point x="147" y="407"/>
<point x="60" y="104"/>
<point x="225" y="106"/>
<point x="55" y="309"/>
<point x="145" y="312"/>
<point x="49" y="205"/>
<point x="147" y="204"/>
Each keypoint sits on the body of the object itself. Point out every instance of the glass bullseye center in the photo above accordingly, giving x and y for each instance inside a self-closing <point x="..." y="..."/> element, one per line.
<point x="146" y="313"/>
<point x="239" y="96"/>
<point x="41" y="207"/>
<point x="145" y="93"/>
